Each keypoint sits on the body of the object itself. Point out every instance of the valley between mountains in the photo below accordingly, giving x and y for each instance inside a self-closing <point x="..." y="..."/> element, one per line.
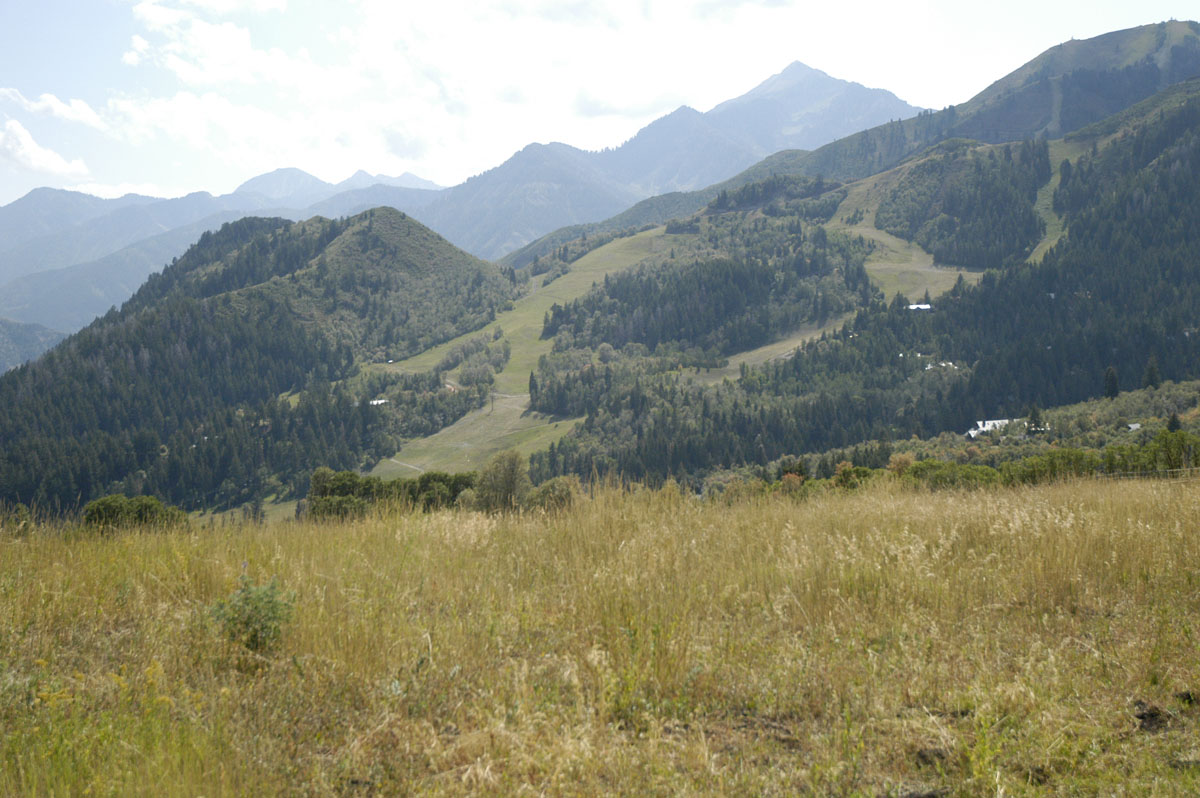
<point x="815" y="444"/>
<point x="906" y="280"/>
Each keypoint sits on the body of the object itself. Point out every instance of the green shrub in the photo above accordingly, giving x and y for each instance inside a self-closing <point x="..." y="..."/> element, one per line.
<point x="466" y="499"/>
<point x="1054" y="465"/>
<point x="435" y="497"/>
<point x="941" y="474"/>
<point x="118" y="512"/>
<point x="253" y="616"/>
<point x="503" y="483"/>
<point x="346" y="494"/>
<point x="849" y="476"/>
<point x="555" y="494"/>
<point x="15" y="518"/>
<point x="324" y="508"/>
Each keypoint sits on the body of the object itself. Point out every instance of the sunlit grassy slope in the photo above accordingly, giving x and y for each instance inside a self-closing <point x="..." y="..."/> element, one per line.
<point x="1018" y="642"/>
<point x="506" y="423"/>
<point x="895" y="265"/>
<point x="523" y="324"/>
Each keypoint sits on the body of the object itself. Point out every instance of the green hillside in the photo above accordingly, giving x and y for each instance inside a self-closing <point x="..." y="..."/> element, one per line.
<point x="1118" y="292"/>
<point x="892" y="264"/>
<point x="658" y="210"/>
<point x="1069" y="87"/>
<point x="238" y="369"/>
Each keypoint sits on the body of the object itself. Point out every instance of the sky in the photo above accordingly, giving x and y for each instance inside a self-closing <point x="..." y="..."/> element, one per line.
<point x="165" y="97"/>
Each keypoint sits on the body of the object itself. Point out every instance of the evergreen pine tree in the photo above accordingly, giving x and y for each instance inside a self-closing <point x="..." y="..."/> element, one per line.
<point x="1111" y="385"/>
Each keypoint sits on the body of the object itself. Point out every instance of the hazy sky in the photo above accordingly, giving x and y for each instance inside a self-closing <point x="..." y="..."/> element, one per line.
<point x="169" y="96"/>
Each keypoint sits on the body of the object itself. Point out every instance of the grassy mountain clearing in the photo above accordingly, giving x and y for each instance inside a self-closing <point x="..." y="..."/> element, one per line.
<point x="880" y="641"/>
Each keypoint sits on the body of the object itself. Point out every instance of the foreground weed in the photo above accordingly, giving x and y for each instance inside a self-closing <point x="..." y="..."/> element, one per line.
<point x="254" y="615"/>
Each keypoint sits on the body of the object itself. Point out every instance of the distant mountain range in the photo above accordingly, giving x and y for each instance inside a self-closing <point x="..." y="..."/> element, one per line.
<point x="544" y="187"/>
<point x="1066" y="88"/>
<point x="265" y="349"/>
<point x="67" y="257"/>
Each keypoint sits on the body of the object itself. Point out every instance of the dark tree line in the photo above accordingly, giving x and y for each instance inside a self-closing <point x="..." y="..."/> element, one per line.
<point x="971" y="209"/>
<point x="780" y="281"/>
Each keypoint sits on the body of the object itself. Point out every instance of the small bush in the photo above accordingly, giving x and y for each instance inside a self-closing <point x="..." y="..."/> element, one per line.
<point x="941" y="474"/>
<point x="253" y="616"/>
<point x="325" y="508"/>
<point x="554" y="494"/>
<point x="118" y="512"/>
<point x="503" y="483"/>
<point x="1053" y="466"/>
<point x="849" y="476"/>
<point x="15" y="518"/>
<point x="466" y="499"/>
<point x="899" y="462"/>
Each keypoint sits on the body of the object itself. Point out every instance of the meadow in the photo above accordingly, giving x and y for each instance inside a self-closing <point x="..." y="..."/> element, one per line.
<point x="886" y="641"/>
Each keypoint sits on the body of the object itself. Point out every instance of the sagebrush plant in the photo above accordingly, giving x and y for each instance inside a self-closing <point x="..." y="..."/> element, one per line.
<point x="254" y="615"/>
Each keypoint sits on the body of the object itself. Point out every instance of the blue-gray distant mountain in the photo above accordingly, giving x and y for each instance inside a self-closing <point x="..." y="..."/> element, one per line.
<point x="802" y="108"/>
<point x="105" y="228"/>
<point x="46" y="211"/>
<point x="69" y="277"/>
<point x="364" y="179"/>
<point x="295" y="188"/>
<point x="69" y="298"/>
<point x="542" y="187"/>
<point x="540" y="190"/>
<point x="22" y="342"/>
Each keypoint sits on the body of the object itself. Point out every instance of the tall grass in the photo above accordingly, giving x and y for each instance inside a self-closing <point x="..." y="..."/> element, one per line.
<point x="880" y="642"/>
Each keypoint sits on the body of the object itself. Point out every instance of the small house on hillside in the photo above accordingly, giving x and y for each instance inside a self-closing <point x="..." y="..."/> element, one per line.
<point x="921" y="306"/>
<point x="987" y="426"/>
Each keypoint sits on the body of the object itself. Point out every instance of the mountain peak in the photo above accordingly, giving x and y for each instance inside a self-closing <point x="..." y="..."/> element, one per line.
<point x="804" y="108"/>
<point x="282" y="183"/>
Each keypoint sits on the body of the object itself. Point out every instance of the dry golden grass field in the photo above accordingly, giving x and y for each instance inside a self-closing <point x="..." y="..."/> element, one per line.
<point x="1037" y="641"/>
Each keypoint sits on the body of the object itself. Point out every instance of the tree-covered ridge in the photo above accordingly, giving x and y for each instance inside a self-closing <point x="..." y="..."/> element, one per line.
<point x="209" y="389"/>
<point x="1067" y="87"/>
<point x="970" y="207"/>
<point x="1121" y="290"/>
<point x="780" y="280"/>
<point x="381" y="283"/>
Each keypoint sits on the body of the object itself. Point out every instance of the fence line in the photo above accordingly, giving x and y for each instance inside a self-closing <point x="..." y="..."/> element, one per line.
<point x="1169" y="475"/>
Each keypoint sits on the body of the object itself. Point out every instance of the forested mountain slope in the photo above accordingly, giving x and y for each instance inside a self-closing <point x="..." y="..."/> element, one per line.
<point x="1068" y="87"/>
<point x="1122" y="288"/>
<point x="218" y="381"/>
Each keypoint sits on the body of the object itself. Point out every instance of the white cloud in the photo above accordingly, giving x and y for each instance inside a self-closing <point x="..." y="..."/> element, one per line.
<point x="18" y="147"/>
<point x="137" y="50"/>
<point x="71" y="111"/>
<point x="234" y="6"/>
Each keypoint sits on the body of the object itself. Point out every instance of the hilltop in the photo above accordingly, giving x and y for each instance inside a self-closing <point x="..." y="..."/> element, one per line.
<point x="1068" y="87"/>
<point x="212" y="385"/>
